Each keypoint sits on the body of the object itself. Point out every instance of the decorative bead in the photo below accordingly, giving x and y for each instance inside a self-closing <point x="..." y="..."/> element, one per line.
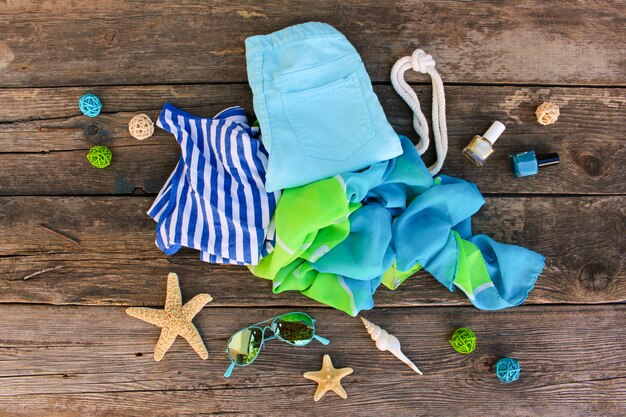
<point x="141" y="127"/>
<point x="508" y="370"/>
<point x="90" y="105"/>
<point x="100" y="156"/>
<point x="547" y="113"/>
<point x="463" y="340"/>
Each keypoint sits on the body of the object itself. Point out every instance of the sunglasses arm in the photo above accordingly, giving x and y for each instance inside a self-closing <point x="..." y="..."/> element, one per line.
<point x="229" y="370"/>
<point x="321" y="339"/>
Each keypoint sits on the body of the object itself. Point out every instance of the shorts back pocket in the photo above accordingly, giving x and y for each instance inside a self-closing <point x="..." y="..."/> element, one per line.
<point x="331" y="122"/>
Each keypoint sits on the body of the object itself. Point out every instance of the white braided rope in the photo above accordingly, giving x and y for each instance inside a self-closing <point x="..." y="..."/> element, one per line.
<point x="422" y="62"/>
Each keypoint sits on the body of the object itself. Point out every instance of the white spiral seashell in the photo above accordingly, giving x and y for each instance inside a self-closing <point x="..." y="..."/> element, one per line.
<point x="385" y="341"/>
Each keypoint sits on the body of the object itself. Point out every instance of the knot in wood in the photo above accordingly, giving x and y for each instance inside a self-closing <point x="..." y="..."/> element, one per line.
<point x="594" y="277"/>
<point x="110" y="37"/>
<point x="92" y="129"/>
<point x="592" y="165"/>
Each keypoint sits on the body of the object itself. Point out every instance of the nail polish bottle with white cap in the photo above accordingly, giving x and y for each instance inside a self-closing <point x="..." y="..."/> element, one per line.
<point x="481" y="147"/>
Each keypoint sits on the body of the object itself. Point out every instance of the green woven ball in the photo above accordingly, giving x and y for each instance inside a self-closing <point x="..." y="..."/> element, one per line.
<point x="463" y="340"/>
<point x="100" y="156"/>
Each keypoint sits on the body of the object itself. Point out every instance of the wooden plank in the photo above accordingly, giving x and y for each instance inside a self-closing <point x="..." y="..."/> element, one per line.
<point x="44" y="140"/>
<point x="116" y="261"/>
<point x="98" y="361"/>
<point x="115" y="42"/>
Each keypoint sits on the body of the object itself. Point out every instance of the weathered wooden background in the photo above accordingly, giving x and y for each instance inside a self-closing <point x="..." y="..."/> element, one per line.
<point x="68" y="349"/>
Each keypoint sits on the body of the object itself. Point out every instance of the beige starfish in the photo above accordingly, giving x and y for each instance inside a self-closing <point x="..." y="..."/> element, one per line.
<point x="328" y="379"/>
<point x="175" y="319"/>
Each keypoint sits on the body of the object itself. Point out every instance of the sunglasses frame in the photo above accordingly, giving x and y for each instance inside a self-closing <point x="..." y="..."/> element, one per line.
<point x="272" y="328"/>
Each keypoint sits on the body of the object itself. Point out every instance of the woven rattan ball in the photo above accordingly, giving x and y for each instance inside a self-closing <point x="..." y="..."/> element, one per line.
<point x="141" y="127"/>
<point x="547" y="113"/>
<point x="90" y="105"/>
<point x="463" y="340"/>
<point x="100" y="156"/>
<point x="508" y="370"/>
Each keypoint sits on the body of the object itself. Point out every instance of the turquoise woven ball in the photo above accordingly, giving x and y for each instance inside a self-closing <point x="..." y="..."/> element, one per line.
<point x="508" y="370"/>
<point x="90" y="105"/>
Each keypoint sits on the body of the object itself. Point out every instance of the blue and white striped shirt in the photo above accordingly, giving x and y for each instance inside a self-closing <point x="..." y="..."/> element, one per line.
<point x="215" y="200"/>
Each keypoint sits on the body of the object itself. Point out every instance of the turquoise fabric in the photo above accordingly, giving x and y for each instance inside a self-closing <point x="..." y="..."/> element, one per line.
<point x="431" y="218"/>
<point x="434" y="217"/>
<point x="407" y="219"/>
<point x="315" y="105"/>
<point x="513" y="270"/>
<point x="366" y="253"/>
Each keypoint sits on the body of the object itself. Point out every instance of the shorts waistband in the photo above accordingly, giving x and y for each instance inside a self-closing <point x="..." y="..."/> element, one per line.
<point x="257" y="45"/>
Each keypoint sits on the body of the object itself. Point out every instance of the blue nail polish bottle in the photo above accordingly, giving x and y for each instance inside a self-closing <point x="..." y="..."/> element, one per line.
<point x="527" y="163"/>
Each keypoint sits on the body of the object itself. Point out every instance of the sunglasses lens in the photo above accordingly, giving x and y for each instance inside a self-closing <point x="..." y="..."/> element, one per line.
<point x="295" y="328"/>
<point x="244" y="346"/>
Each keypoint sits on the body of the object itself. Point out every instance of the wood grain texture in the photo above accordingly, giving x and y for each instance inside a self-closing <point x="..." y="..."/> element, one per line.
<point x="76" y="245"/>
<point x="116" y="261"/>
<point x="112" y="42"/>
<point x="44" y="140"/>
<point x="98" y="361"/>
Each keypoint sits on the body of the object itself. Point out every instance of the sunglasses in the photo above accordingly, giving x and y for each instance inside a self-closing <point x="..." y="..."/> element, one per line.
<point x="297" y="329"/>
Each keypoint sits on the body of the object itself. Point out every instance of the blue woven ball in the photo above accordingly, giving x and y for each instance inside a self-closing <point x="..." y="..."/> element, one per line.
<point x="90" y="105"/>
<point x="508" y="370"/>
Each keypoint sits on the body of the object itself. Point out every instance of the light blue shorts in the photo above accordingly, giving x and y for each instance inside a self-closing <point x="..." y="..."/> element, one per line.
<point x="318" y="113"/>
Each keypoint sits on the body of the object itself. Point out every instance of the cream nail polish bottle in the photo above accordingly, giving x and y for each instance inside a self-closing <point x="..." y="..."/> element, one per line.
<point x="481" y="147"/>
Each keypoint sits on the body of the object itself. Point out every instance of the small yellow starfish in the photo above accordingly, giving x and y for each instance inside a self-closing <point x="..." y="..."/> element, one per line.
<point x="175" y="319"/>
<point x="328" y="379"/>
